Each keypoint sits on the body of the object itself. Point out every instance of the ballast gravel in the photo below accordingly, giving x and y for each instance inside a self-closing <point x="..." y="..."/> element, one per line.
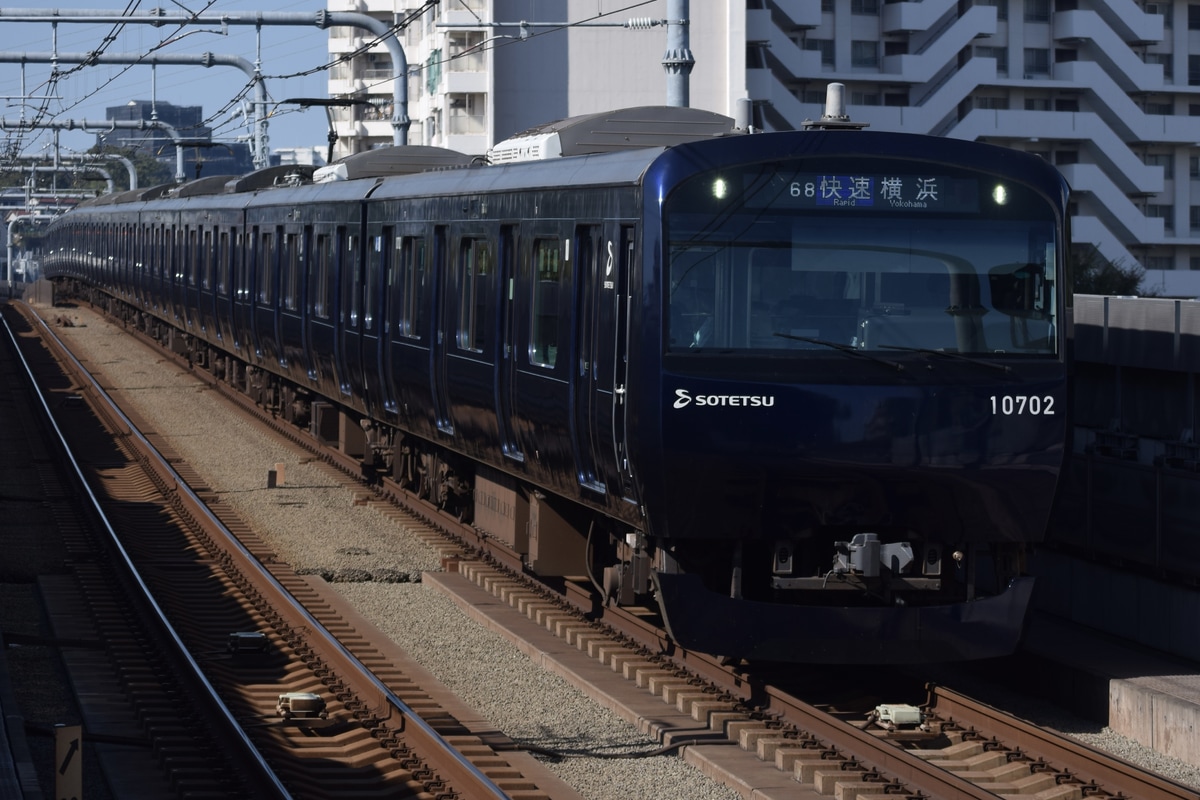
<point x="315" y="525"/>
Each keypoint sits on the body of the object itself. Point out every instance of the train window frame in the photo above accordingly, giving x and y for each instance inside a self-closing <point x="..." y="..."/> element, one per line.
<point x="893" y="296"/>
<point x="476" y="271"/>
<point x="548" y="266"/>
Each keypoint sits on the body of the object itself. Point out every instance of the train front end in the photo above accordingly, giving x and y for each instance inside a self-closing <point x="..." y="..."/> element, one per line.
<point x="861" y="393"/>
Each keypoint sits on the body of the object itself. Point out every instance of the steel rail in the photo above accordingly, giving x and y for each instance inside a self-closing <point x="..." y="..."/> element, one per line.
<point x="267" y="777"/>
<point x="1084" y="763"/>
<point x="428" y="740"/>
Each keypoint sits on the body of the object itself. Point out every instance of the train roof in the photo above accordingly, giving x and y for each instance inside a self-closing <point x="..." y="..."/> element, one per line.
<point x="445" y="174"/>
<point x="210" y="184"/>
<point x="607" y="131"/>
<point x="270" y="177"/>
<point x="400" y="160"/>
<point x="129" y="196"/>
<point x="591" y="170"/>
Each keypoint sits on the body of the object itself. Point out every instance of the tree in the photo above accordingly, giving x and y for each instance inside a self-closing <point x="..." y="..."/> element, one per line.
<point x="1095" y="274"/>
<point x="150" y="170"/>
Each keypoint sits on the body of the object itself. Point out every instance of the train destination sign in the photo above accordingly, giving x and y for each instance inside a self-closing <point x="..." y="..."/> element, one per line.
<point x="914" y="193"/>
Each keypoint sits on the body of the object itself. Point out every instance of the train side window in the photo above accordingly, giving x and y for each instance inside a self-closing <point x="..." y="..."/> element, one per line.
<point x="319" y="292"/>
<point x="475" y="281"/>
<point x="548" y="273"/>
<point x="412" y="265"/>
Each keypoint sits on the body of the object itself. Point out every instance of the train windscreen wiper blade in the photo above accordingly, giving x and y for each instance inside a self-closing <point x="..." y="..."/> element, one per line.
<point x="844" y="348"/>
<point x="948" y="354"/>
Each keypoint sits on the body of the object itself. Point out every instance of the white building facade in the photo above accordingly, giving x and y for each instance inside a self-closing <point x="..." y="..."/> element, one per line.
<point x="1107" y="90"/>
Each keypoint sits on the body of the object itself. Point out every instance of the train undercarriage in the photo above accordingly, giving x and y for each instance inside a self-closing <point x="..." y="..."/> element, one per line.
<point x="834" y="596"/>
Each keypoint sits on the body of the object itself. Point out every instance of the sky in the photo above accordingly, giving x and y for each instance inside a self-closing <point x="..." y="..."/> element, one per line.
<point x="88" y="90"/>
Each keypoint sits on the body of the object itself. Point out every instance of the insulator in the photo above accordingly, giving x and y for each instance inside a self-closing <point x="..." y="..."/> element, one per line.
<point x="643" y="23"/>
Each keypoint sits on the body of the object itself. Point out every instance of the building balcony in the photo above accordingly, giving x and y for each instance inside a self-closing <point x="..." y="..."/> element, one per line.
<point x="909" y="17"/>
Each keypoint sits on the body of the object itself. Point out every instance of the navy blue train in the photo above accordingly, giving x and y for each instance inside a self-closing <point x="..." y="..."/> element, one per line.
<point x="807" y="391"/>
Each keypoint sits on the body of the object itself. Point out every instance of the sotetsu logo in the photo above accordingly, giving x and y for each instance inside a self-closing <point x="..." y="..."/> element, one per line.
<point x="684" y="398"/>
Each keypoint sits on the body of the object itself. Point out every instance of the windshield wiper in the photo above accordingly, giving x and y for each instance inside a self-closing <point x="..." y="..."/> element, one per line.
<point x="948" y="354"/>
<point x="844" y="348"/>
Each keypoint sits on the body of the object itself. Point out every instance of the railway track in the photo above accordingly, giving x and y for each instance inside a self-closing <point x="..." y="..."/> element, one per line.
<point x="267" y="655"/>
<point x="958" y="753"/>
<point x="119" y="649"/>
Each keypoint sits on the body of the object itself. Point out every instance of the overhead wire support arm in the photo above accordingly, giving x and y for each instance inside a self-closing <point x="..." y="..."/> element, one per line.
<point x="677" y="61"/>
<point x="321" y="19"/>
<point x="155" y="59"/>
<point x="103" y="125"/>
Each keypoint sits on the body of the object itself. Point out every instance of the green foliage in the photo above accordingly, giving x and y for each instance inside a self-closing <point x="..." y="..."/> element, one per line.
<point x="150" y="171"/>
<point x="1095" y="274"/>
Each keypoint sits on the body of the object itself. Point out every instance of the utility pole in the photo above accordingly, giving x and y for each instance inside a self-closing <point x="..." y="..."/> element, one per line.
<point x="678" y="60"/>
<point x="322" y="19"/>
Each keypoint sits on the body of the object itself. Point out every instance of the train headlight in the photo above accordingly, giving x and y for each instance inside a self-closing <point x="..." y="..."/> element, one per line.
<point x="1000" y="195"/>
<point x="720" y="188"/>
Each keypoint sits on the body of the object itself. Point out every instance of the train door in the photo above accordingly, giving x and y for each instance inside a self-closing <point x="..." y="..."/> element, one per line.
<point x="391" y="328"/>
<point x="203" y="287"/>
<point x="506" y="278"/>
<point x="469" y="366"/>
<point x="413" y="334"/>
<point x="591" y="389"/>
<point x="266" y="273"/>
<point x="352" y="317"/>
<point x="242" y="302"/>
<point x="165" y="258"/>
<point x="293" y="264"/>
<point x="223" y="282"/>
<point x="183" y="277"/>
<point x="601" y="367"/>
<point x="620" y="277"/>
<point x="154" y="271"/>
<point x="442" y="322"/>
<point x="343" y="260"/>
<point x="353" y="320"/>
<point x="378" y="257"/>
<point x="137" y="268"/>
<point x="321" y="311"/>
<point x="542" y="362"/>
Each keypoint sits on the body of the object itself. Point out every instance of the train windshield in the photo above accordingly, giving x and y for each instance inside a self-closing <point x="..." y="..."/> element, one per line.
<point x="887" y="257"/>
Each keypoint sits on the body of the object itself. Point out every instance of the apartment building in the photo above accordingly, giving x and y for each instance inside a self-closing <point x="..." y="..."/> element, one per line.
<point x="1108" y="90"/>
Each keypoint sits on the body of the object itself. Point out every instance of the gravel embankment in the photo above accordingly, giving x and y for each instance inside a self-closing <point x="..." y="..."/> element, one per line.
<point x="316" y="527"/>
